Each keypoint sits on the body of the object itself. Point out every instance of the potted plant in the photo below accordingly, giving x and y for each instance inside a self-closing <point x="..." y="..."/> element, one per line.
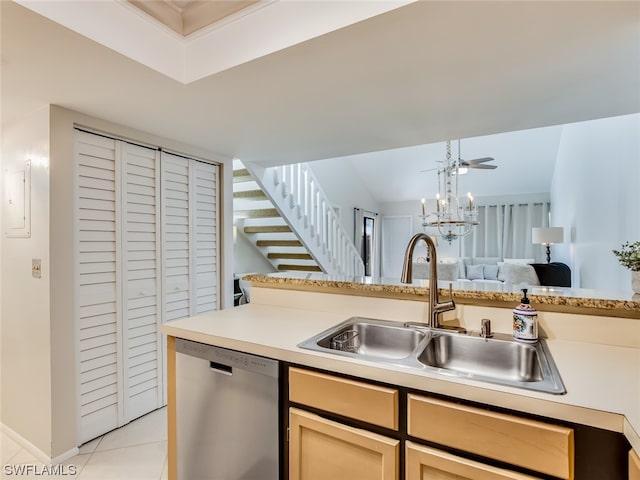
<point x="629" y="256"/>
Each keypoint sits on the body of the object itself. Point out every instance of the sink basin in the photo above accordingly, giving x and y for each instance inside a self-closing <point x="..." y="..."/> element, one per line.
<point x="500" y="359"/>
<point x="368" y="338"/>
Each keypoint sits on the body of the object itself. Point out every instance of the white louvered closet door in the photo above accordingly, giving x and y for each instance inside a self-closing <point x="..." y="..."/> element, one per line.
<point x="205" y="220"/>
<point x="190" y="236"/>
<point x="141" y="250"/>
<point x="177" y="248"/>
<point x="98" y="285"/>
<point x="147" y="253"/>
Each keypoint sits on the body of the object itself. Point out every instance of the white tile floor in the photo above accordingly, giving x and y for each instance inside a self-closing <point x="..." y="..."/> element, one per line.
<point x="137" y="451"/>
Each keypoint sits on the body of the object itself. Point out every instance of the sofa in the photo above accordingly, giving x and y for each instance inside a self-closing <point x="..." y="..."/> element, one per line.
<point x="477" y="271"/>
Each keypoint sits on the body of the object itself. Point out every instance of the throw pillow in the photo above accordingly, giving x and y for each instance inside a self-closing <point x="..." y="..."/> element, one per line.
<point x="420" y="270"/>
<point x="501" y="271"/>
<point x="516" y="274"/>
<point x="475" y="272"/>
<point x="491" y="272"/>
<point x="462" y="273"/>
<point x="447" y="271"/>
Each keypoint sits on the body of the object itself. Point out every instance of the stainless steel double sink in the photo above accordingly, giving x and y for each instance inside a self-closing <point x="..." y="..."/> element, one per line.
<point x="499" y="359"/>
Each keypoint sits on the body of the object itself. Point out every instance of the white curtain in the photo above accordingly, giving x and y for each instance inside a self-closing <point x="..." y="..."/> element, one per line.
<point x="505" y="231"/>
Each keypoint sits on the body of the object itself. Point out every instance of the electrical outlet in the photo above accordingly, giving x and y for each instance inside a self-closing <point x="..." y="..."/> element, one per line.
<point x="36" y="267"/>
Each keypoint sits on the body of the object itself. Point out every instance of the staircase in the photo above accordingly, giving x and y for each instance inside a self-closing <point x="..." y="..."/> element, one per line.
<point x="256" y="217"/>
<point x="285" y="214"/>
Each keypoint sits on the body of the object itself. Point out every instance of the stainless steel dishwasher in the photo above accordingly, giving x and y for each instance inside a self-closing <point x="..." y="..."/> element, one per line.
<point x="227" y="414"/>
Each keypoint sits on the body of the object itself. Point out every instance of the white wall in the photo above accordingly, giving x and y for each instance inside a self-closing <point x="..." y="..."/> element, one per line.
<point x="344" y="187"/>
<point x="25" y="364"/>
<point x="247" y="258"/>
<point x="413" y="208"/>
<point x="595" y="195"/>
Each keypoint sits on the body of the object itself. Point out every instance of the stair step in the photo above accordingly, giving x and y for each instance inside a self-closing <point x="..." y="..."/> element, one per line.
<point x="257" y="213"/>
<point x="249" y="194"/>
<point x="279" y="243"/>
<point x="291" y="256"/>
<point x="268" y="229"/>
<point x="242" y="172"/>
<point x="257" y="203"/>
<point x="301" y="268"/>
<point x="241" y="179"/>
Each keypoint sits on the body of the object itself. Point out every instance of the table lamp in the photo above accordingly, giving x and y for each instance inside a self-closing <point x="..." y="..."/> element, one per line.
<point x="547" y="236"/>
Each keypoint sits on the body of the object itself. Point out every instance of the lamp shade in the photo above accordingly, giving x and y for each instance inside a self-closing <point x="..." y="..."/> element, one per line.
<point x="547" y="235"/>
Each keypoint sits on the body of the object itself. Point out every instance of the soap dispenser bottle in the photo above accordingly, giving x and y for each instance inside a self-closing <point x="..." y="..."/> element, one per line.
<point x="525" y="321"/>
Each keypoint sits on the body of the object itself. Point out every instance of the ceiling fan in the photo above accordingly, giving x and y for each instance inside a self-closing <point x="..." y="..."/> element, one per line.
<point x="475" y="163"/>
<point x="464" y="165"/>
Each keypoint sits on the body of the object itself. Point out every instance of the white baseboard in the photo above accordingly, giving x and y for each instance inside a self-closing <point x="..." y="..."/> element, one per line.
<point x="35" y="451"/>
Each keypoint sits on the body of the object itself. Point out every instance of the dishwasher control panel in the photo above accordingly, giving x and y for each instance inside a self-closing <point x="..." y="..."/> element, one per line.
<point x="229" y="358"/>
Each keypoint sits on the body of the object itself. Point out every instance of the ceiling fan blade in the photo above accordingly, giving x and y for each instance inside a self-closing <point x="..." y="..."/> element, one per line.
<point x="480" y="160"/>
<point x="483" y="167"/>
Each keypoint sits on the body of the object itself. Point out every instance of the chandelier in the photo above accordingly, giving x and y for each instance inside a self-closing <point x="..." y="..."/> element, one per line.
<point x="454" y="217"/>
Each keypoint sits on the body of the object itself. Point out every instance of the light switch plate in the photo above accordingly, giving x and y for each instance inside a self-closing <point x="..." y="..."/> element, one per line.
<point x="36" y="267"/>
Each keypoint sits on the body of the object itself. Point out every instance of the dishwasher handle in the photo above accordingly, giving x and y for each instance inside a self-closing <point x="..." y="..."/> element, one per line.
<point x="221" y="368"/>
<point x="224" y="360"/>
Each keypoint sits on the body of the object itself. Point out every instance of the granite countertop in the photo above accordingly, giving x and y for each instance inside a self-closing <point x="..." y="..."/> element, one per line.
<point x="545" y="298"/>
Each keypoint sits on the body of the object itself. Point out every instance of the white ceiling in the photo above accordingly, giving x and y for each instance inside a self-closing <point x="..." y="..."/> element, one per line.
<point x="423" y="73"/>
<point x="525" y="161"/>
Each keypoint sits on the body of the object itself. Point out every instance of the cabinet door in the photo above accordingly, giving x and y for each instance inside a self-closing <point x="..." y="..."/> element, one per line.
<point x="634" y="465"/>
<point x="321" y="449"/>
<point x="425" y="463"/>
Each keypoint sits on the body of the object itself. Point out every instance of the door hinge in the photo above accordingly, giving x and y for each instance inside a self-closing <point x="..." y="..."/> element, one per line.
<point x="288" y="434"/>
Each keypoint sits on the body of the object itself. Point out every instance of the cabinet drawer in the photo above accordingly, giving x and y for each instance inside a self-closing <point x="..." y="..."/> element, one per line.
<point x="527" y="443"/>
<point x="357" y="400"/>
<point x="426" y="463"/>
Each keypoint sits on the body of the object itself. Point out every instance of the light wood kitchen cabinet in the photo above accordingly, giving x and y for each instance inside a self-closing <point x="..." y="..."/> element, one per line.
<point x="426" y="463"/>
<point x="530" y="444"/>
<point x="634" y="465"/>
<point x="350" y="398"/>
<point x="321" y="449"/>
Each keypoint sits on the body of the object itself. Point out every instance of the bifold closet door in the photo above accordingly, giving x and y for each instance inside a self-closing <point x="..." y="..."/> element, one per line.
<point x="205" y="230"/>
<point x="141" y="261"/>
<point x="190" y="236"/>
<point x="119" y="285"/>
<point x="177" y="241"/>
<point x="98" y="285"/>
<point x="147" y="247"/>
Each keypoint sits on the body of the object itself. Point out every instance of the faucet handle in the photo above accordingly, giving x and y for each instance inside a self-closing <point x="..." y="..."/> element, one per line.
<point x="451" y="292"/>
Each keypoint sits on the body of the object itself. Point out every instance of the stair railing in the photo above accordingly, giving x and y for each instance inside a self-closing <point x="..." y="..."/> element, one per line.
<point x="297" y="194"/>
